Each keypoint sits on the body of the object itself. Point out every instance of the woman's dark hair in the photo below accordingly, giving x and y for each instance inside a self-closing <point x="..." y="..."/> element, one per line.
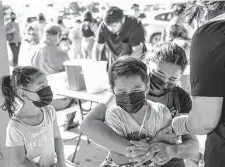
<point x="113" y="15"/>
<point x="179" y="9"/>
<point x="196" y="9"/>
<point x="168" y="52"/>
<point x="21" y="78"/>
<point x="177" y="31"/>
<point x="127" y="66"/>
<point x="88" y="16"/>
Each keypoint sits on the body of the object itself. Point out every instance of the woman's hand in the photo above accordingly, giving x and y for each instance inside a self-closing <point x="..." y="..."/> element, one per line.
<point x="164" y="153"/>
<point x="165" y="135"/>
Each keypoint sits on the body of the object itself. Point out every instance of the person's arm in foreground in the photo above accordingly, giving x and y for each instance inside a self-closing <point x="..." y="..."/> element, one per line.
<point x="59" y="147"/>
<point x="203" y="118"/>
<point x="207" y="84"/>
<point x="94" y="127"/>
<point x="165" y="152"/>
<point x="18" y="157"/>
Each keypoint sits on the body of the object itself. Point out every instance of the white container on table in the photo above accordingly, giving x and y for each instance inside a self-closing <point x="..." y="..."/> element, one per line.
<point x="95" y="76"/>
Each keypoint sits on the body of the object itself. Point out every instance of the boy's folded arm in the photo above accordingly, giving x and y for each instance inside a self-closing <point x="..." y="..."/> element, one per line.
<point x="165" y="133"/>
<point x="94" y="127"/>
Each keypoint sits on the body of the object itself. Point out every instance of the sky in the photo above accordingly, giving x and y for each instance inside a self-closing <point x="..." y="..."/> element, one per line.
<point x="19" y="2"/>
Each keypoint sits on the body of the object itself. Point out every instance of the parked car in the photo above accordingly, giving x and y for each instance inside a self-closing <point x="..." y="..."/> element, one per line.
<point x="154" y="24"/>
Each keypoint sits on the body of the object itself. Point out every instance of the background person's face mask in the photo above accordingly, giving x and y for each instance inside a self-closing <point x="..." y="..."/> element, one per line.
<point x="45" y="95"/>
<point x="132" y="102"/>
<point x="158" y="85"/>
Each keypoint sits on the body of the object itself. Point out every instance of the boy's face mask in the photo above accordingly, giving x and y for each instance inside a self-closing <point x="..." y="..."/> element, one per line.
<point x="132" y="102"/>
<point x="45" y="95"/>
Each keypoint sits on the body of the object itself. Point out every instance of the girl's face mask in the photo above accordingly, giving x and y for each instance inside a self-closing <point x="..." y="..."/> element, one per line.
<point x="132" y="102"/>
<point x="45" y="95"/>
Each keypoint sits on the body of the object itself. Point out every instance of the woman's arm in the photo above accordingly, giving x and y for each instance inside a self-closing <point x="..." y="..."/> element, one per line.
<point x="18" y="157"/>
<point x="188" y="148"/>
<point x="10" y="31"/>
<point x="59" y="148"/>
<point x="202" y="119"/>
<point x="94" y="127"/>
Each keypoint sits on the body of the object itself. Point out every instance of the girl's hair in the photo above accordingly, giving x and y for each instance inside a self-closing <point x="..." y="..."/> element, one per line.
<point x="168" y="52"/>
<point x="88" y="16"/>
<point x="21" y="77"/>
<point x="196" y="9"/>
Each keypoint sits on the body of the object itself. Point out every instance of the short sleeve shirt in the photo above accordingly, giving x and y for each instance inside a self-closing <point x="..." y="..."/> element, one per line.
<point x="124" y="124"/>
<point x="207" y="60"/>
<point x="207" y="76"/>
<point x="37" y="140"/>
<point x="131" y="35"/>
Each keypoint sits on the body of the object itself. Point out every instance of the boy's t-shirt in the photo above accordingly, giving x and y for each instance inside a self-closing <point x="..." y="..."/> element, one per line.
<point x="37" y="140"/>
<point x="124" y="124"/>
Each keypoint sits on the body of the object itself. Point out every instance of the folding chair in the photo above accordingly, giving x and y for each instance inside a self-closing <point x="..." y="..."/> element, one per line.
<point x="76" y="108"/>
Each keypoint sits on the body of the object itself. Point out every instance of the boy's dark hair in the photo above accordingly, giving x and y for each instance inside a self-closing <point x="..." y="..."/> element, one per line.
<point x="88" y="16"/>
<point x="127" y="66"/>
<point x="52" y="29"/>
<point x="113" y="15"/>
<point x="134" y="5"/>
<point x="12" y="13"/>
<point x="169" y="52"/>
<point x="21" y="77"/>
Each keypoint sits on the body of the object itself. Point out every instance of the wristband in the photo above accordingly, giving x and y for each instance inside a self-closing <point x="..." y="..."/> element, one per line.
<point x="179" y="125"/>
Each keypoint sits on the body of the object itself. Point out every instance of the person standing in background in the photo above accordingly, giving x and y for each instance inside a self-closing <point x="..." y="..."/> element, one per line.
<point x="136" y="12"/>
<point x="13" y="37"/>
<point x="65" y="30"/>
<point x="121" y="34"/>
<point x="27" y="47"/>
<point x="40" y="25"/>
<point x="89" y="28"/>
<point x="75" y="36"/>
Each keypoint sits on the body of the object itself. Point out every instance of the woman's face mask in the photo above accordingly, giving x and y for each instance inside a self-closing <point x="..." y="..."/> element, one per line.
<point x="132" y="102"/>
<point x="158" y="85"/>
<point x="164" y="77"/>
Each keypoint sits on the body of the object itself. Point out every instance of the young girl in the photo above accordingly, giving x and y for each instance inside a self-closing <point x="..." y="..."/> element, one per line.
<point x="134" y="117"/>
<point x="32" y="133"/>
